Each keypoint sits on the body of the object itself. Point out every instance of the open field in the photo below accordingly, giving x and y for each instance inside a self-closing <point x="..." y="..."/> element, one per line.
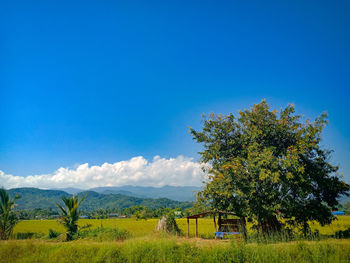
<point x="171" y="250"/>
<point x="145" y="245"/>
<point x="139" y="228"/>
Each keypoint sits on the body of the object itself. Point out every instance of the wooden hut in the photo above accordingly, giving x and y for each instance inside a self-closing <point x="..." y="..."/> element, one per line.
<point x="222" y="225"/>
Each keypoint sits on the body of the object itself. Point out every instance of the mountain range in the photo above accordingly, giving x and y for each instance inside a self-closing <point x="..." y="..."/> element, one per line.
<point x="177" y="193"/>
<point x="104" y="197"/>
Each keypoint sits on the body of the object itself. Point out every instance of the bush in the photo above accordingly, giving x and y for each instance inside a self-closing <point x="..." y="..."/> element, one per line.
<point x="27" y="235"/>
<point x="343" y="233"/>
<point x="171" y="224"/>
<point x="53" y="233"/>
<point x="105" y="234"/>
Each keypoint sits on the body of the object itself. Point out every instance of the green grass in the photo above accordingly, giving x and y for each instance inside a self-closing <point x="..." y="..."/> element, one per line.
<point x="172" y="250"/>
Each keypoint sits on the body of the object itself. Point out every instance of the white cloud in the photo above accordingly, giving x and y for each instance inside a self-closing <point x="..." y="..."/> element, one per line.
<point x="179" y="171"/>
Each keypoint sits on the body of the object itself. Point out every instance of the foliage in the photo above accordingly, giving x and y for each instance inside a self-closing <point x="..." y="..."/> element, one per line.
<point x="343" y="233"/>
<point x="347" y="208"/>
<point x="266" y="166"/>
<point x="105" y="234"/>
<point x="171" y="224"/>
<point x="70" y="215"/>
<point x="8" y="219"/>
<point x="53" y="233"/>
<point x="37" y="213"/>
<point x="197" y="208"/>
<point x="139" y="211"/>
<point x="27" y="235"/>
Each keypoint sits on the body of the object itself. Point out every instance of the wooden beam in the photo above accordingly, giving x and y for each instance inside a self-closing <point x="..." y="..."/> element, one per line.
<point x="196" y="227"/>
<point x="188" y="227"/>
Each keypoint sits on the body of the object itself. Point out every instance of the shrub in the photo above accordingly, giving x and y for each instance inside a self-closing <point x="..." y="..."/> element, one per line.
<point x="343" y="233"/>
<point x="105" y="234"/>
<point x="53" y="233"/>
<point x="171" y="224"/>
<point x="27" y="235"/>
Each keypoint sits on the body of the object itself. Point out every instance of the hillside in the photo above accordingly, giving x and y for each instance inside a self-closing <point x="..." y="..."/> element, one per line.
<point x="178" y="193"/>
<point x="32" y="198"/>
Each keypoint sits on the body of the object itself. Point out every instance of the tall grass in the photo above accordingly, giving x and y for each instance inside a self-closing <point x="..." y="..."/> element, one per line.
<point x="104" y="234"/>
<point x="170" y="250"/>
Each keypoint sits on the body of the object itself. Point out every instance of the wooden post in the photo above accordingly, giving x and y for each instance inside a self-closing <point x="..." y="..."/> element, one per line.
<point x="215" y="224"/>
<point x="196" y="227"/>
<point x="188" y="227"/>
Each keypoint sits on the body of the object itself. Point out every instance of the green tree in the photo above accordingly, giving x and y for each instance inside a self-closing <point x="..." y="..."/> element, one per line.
<point x="70" y="215"/>
<point x="267" y="165"/>
<point x="347" y="208"/>
<point x="8" y="218"/>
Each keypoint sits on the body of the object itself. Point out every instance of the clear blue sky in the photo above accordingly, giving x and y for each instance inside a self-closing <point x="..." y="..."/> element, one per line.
<point x="104" y="81"/>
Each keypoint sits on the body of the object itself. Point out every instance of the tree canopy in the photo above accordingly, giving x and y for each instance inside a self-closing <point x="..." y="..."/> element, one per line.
<point x="267" y="165"/>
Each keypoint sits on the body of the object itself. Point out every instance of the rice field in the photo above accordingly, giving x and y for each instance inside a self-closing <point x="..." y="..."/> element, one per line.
<point x="137" y="228"/>
<point x="141" y="228"/>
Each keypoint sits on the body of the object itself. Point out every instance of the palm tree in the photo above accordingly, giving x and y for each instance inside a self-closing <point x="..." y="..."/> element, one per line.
<point x="70" y="215"/>
<point x="8" y="219"/>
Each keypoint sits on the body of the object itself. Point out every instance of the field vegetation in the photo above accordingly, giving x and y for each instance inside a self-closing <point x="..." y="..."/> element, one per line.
<point x="173" y="250"/>
<point x="142" y="228"/>
<point x="133" y="240"/>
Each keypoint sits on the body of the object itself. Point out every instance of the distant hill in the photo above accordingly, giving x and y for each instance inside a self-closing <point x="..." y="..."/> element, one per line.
<point x="178" y="193"/>
<point x="32" y="198"/>
<point x="69" y="190"/>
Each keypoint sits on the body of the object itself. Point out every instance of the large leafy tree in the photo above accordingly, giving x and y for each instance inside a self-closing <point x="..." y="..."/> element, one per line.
<point x="267" y="165"/>
<point x="70" y="215"/>
<point x="8" y="218"/>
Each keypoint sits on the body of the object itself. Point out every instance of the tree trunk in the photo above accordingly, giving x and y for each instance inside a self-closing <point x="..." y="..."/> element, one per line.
<point x="306" y="228"/>
<point x="270" y="226"/>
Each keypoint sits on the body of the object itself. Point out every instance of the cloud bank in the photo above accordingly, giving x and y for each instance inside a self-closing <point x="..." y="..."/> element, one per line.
<point x="179" y="171"/>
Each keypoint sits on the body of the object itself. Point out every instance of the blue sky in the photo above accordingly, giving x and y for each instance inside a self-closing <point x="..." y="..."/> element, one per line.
<point x="106" y="81"/>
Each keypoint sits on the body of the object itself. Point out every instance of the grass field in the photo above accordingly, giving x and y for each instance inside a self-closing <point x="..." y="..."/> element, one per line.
<point x="140" y="228"/>
<point x="145" y="245"/>
<point x="173" y="250"/>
